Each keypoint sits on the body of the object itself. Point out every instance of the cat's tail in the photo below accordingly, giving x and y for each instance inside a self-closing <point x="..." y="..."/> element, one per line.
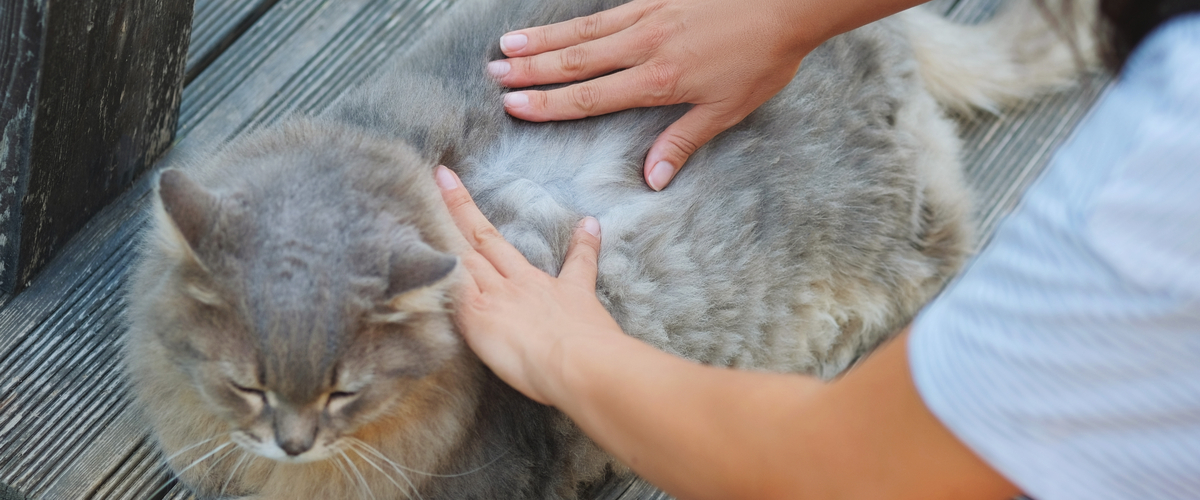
<point x="1016" y="55"/>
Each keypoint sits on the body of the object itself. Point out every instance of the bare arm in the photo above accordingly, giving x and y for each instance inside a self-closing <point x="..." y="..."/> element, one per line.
<point x="726" y="57"/>
<point x="693" y="430"/>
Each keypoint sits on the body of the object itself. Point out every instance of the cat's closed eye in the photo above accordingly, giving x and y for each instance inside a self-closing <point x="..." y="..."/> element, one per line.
<point x="338" y="400"/>
<point x="250" y="393"/>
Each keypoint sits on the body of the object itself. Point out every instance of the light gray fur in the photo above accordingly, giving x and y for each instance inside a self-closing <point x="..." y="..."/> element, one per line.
<point x="314" y="252"/>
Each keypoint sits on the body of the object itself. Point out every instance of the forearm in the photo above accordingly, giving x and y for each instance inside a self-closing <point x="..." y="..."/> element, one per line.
<point x="696" y="431"/>
<point x="704" y="432"/>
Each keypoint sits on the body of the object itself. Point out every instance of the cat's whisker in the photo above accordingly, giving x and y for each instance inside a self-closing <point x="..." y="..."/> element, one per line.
<point x="399" y="468"/>
<point x="414" y="471"/>
<point x="203" y="458"/>
<point x="370" y="449"/>
<point x="361" y="480"/>
<point x="224" y="456"/>
<point x="446" y="392"/>
<point x="233" y="473"/>
<point x="206" y="456"/>
<point x="185" y="449"/>
<point x="389" y="476"/>
<point x="154" y="494"/>
<point x="338" y="463"/>
<point x="477" y="469"/>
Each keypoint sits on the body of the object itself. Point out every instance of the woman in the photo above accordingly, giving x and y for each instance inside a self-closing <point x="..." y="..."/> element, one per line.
<point x="1065" y="363"/>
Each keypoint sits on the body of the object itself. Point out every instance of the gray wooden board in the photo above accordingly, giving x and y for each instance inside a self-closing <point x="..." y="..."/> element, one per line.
<point x="216" y="24"/>
<point x="66" y="428"/>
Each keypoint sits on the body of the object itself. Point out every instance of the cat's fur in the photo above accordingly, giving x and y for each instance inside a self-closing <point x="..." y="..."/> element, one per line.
<point x="292" y="293"/>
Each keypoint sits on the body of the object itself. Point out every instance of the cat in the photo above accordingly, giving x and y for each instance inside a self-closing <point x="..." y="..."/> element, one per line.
<point x="290" y="314"/>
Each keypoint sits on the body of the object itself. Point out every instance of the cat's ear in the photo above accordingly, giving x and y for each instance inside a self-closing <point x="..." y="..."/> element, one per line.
<point x="414" y="264"/>
<point x="189" y="206"/>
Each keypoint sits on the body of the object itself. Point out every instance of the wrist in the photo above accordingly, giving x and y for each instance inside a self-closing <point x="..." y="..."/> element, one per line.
<point x="805" y="25"/>
<point x="563" y="371"/>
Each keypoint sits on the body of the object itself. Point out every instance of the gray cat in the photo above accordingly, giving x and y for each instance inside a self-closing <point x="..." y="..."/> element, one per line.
<point x="290" y="321"/>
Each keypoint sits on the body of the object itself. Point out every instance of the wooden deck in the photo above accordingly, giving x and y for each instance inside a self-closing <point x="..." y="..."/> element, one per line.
<point x="67" y="429"/>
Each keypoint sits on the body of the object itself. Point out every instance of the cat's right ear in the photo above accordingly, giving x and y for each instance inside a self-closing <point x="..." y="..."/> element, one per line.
<point x="189" y="207"/>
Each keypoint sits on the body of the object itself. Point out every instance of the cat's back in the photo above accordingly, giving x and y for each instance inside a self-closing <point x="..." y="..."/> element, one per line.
<point x="810" y="215"/>
<point x="819" y="193"/>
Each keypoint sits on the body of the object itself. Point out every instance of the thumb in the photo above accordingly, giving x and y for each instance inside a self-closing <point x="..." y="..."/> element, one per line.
<point x="583" y="255"/>
<point x="677" y="143"/>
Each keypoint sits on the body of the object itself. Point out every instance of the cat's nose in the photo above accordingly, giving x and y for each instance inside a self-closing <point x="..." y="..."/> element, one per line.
<point x="295" y="432"/>
<point x="294" y="447"/>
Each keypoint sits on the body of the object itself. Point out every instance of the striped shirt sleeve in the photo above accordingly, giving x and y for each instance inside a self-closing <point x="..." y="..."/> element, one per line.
<point x="1068" y="354"/>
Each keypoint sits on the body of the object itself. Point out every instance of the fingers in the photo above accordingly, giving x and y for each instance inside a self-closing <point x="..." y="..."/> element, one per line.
<point x="580" y="266"/>
<point x="567" y="33"/>
<point x="677" y="143"/>
<point x="480" y="234"/>
<point x="649" y="84"/>
<point x="570" y="64"/>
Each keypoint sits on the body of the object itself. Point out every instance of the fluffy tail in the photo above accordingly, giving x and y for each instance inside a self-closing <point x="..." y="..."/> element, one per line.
<point x="1018" y="54"/>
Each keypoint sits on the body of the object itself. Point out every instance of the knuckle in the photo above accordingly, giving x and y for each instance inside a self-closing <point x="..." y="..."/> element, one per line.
<point x="485" y="234"/>
<point x="661" y="79"/>
<point x="684" y="144"/>
<point x="585" y="97"/>
<point x="538" y="101"/>
<point x="588" y="27"/>
<point x="655" y="35"/>
<point x="572" y="60"/>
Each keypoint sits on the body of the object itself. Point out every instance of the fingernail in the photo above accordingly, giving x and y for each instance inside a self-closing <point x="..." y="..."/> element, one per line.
<point x="516" y="100"/>
<point x="660" y="175"/>
<point x="445" y="178"/>
<point x="498" y="68"/>
<point x="513" y="42"/>
<point x="592" y="226"/>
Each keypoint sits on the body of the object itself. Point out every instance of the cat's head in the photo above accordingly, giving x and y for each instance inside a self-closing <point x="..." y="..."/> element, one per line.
<point x="300" y="308"/>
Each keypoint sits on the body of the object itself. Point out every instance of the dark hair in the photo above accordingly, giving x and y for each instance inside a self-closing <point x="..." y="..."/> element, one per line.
<point x="1125" y="23"/>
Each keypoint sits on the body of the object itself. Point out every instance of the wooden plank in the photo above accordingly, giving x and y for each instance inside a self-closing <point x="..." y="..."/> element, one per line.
<point x="217" y="24"/>
<point x="22" y="49"/>
<point x="94" y="105"/>
<point x="10" y="493"/>
<point x="1005" y="154"/>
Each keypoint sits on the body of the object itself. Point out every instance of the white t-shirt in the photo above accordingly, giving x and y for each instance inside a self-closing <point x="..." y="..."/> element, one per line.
<point x="1068" y="354"/>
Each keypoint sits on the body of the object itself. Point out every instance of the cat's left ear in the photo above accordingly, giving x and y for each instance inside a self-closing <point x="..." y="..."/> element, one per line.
<point x="188" y="205"/>
<point x="414" y="264"/>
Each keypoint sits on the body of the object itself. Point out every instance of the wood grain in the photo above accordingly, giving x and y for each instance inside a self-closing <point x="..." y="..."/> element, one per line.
<point x="91" y="102"/>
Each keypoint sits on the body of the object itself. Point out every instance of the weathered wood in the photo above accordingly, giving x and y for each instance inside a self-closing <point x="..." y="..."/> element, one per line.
<point x="216" y="24"/>
<point x="92" y="95"/>
<point x="22" y="29"/>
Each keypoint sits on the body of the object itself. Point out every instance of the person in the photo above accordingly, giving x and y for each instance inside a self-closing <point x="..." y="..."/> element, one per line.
<point x="1065" y="363"/>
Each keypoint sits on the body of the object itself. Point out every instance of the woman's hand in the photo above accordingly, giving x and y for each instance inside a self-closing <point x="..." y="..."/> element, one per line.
<point x="514" y="316"/>
<point x="726" y="57"/>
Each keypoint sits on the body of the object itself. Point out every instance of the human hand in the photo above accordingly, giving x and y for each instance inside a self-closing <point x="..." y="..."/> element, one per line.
<point x="723" y="56"/>
<point x="514" y="316"/>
